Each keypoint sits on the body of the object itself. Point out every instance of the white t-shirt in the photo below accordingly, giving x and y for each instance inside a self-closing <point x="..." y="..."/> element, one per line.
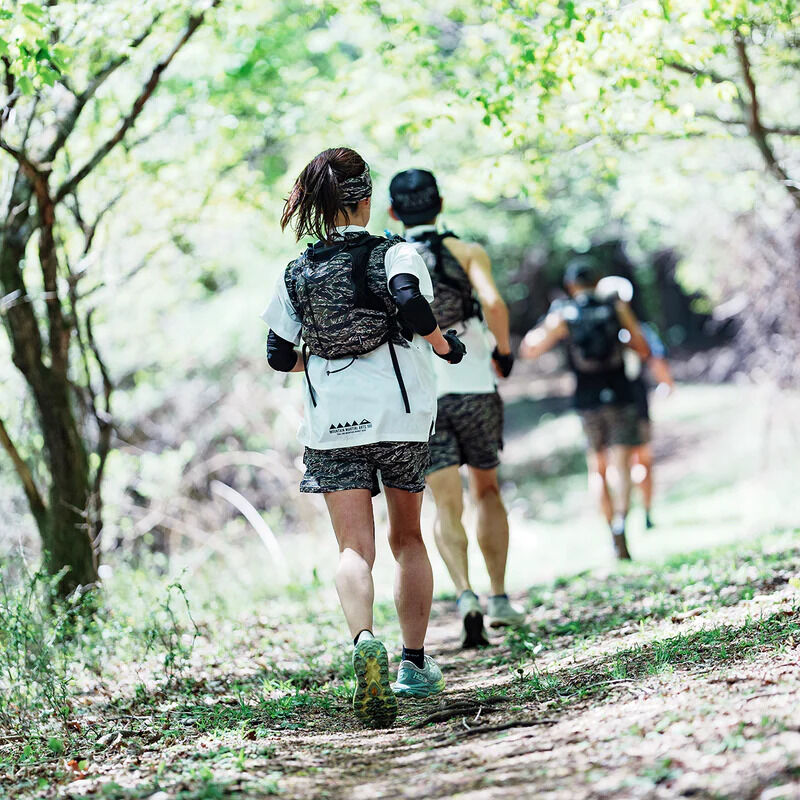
<point x="360" y="403"/>
<point x="474" y="373"/>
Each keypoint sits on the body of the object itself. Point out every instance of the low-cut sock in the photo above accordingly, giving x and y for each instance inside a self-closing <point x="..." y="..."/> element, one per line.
<point x="503" y="596"/>
<point x="618" y="524"/>
<point x="416" y="657"/>
<point x="365" y="634"/>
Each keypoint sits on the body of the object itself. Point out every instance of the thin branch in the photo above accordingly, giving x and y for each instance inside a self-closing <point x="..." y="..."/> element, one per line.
<point x="776" y="130"/>
<point x="90" y="229"/>
<point x="67" y="124"/>
<point x="105" y="427"/>
<point x="687" y="69"/>
<point x="780" y="130"/>
<point x="754" y="124"/>
<point x="129" y="120"/>
<point x="32" y="171"/>
<point x="35" y="501"/>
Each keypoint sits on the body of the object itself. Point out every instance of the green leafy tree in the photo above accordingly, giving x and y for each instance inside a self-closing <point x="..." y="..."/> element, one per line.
<point x="59" y="122"/>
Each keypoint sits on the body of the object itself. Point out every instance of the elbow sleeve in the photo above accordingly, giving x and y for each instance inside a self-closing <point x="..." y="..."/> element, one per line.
<point x="281" y="355"/>
<point x="414" y="308"/>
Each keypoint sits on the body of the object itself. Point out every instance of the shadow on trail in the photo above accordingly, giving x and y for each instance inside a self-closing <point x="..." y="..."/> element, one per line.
<point x="525" y="413"/>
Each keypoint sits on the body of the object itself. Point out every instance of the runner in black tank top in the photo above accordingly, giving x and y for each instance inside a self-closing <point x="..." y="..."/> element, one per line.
<point x="469" y="424"/>
<point x="594" y="329"/>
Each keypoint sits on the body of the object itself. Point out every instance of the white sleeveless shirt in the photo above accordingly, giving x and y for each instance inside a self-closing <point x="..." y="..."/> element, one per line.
<point x="474" y="374"/>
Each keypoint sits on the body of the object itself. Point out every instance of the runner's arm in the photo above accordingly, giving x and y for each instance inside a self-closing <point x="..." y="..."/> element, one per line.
<point x="281" y="355"/>
<point x="478" y="267"/>
<point x="660" y="370"/>
<point x="544" y="337"/>
<point x="417" y="311"/>
<point x="628" y="321"/>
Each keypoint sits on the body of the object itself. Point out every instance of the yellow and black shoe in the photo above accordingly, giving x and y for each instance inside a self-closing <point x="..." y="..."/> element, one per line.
<point x="374" y="702"/>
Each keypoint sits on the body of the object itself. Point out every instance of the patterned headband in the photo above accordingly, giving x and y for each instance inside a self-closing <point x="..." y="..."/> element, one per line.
<point x="352" y="190"/>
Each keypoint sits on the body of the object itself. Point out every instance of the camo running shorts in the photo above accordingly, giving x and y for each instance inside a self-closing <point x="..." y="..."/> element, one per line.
<point x="469" y="430"/>
<point x="401" y="465"/>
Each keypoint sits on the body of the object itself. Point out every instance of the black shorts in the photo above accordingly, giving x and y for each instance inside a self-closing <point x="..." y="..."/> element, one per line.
<point x="608" y="426"/>
<point x="402" y="465"/>
<point x="469" y="430"/>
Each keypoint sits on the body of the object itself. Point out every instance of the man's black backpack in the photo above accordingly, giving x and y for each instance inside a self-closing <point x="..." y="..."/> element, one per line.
<point x="454" y="299"/>
<point x="594" y="328"/>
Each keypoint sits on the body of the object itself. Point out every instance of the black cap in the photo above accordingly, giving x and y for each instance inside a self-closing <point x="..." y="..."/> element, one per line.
<point x="415" y="196"/>
<point x="581" y="271"/>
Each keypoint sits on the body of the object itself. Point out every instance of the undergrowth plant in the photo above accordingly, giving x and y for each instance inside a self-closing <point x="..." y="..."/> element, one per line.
<point x="36" y="648"/>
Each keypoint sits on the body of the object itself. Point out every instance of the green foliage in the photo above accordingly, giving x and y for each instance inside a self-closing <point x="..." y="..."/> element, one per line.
<point x="36" y="641"/>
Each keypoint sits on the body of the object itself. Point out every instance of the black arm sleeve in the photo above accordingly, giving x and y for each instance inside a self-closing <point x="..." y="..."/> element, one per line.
<point x="414" y="308"/>
<point x="281" y="355"/>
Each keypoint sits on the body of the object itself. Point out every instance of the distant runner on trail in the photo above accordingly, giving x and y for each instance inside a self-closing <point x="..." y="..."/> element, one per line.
<point x="642" y="454"/>
<point x="360" y="306"/>
<point x="596" y="331"/>
<point x="469" y="425"/>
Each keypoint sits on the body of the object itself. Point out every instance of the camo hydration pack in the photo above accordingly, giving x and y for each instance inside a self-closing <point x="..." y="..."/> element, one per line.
<point x="594" y="328"/>
<point x="340" y="294"/>
<point x="454" y="301"/>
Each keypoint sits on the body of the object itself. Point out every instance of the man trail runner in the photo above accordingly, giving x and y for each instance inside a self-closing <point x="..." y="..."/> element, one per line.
<point x="657" y="365"/>
<point x="596" y="331"/>
<point x="469" y="426"/>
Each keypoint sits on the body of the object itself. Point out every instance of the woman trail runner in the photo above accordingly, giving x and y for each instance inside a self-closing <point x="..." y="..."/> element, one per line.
<point x="360" y="305"/>
<point x="469" y="427"/>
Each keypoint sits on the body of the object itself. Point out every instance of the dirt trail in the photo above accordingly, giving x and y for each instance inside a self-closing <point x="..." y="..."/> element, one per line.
<point x="729" y="730"/>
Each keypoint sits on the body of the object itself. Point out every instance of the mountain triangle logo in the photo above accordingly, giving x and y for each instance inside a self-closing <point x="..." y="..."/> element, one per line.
<point x="343" y="428"/>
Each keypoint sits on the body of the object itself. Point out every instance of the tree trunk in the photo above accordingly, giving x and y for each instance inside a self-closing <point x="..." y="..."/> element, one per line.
<point x="68" y="535"/>
<point x="63" y="525"/>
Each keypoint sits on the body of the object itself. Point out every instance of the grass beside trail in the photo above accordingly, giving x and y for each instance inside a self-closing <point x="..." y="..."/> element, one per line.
<point x="207" y="709"/>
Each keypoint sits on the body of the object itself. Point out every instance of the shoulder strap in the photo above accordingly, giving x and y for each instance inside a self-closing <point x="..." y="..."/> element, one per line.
<point x="360" y="254"/>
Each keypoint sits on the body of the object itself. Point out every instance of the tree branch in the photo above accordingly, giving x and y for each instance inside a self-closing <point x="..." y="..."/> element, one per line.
<point x="35" y="501"/>
<point x="687" y="69"/>
<point x="776" y="130"/>
<point x="12" y="93"/>
<point x="129" y="120"/>
<point x="67" y="124"/>
<point x="754" y="125"/>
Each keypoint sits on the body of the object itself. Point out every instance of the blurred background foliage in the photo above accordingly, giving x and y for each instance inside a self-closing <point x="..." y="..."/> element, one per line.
<point x="660" y="134"/>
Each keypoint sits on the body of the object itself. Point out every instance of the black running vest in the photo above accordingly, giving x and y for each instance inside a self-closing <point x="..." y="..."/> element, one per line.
<point x="345" y="308"/>
<point x="454" y="300"/>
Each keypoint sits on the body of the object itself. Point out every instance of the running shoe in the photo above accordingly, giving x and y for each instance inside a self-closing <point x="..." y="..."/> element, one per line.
<point x="618" y="534"/>
<point x="415" y="682"/>
<point x="473" y="634"/>
<point x="621" y="547"/>
<point x="373" y="701"/>
<point x="502" y="614"/>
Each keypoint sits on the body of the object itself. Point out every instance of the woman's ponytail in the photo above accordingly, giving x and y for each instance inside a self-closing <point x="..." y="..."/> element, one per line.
<point x="331" y="183"/>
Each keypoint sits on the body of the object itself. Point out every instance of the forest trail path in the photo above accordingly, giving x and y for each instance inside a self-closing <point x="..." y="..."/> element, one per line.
<point x="677" y="675"/>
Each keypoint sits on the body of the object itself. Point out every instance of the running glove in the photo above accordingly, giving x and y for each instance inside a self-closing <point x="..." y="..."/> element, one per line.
<point x="457" y="348"/>
<point x="504" y="361"/>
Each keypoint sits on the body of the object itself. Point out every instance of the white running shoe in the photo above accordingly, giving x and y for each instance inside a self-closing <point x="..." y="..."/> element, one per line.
<point x="502" y="614"/>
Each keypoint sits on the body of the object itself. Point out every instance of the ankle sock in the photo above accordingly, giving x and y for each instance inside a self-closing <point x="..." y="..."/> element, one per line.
<point x="503" y="596"/>
<point x="366" y="634"/>
<point x="416" y="657"/>
<point x="618" y="524"/>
